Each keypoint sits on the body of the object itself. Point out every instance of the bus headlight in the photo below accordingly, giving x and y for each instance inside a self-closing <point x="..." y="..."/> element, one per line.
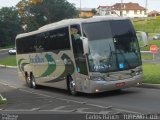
<point x="138" y="72"/>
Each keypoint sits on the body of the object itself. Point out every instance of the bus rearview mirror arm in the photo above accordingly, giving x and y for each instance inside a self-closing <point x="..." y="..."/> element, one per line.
<point x="85" y="45"/>
<point x="144" y="38"/>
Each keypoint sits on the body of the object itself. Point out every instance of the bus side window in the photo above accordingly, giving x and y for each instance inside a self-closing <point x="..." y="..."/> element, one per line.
<point x="39" y="47"/>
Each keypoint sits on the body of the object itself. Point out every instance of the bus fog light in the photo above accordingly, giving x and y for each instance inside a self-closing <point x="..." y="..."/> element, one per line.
<point x="138" y="83"/>
<point x="97" y="90"/>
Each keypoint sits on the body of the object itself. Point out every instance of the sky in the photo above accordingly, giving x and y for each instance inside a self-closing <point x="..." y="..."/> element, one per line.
<point x="152" y="4"/>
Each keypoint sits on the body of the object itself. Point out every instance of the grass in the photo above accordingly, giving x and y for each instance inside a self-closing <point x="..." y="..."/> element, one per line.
<point x="10" y="61"/>
<point x="150" y="25"/>
<point x="150" y="42"/>
<point x="9" y="46"/>
<point x="151" y="73"/>
<point x="2" y="100"/>
<point x="147" y="56"/>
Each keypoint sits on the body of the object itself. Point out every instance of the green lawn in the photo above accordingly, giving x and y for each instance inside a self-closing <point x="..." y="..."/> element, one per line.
<point x="2" y="101"/>
<point x="151" y="73"/>
<point x="6" y="47"/>
<point x="150" y="25"/>
<point x="150" y="42"/>
<point x="10" y="61"/>
<point x="147" y="56"/>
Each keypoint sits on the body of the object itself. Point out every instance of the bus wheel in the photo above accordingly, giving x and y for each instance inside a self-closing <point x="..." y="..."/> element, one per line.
<point x="28" y="81"/>
<point x="33" y="82"/>
<point x="71" y="86"/>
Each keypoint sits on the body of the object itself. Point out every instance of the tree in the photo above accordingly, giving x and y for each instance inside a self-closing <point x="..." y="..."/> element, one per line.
<point x="36" y="13"/>
<point x="9" y="25"/>
<point x="94" y="11"/>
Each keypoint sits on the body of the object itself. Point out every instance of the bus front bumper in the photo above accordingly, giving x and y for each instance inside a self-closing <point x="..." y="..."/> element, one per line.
<point x="101" y="86"/>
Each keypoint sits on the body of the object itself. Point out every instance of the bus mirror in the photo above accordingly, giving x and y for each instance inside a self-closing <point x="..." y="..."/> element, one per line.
<point x="85" y="45"/>
<point x="142" y="38"/>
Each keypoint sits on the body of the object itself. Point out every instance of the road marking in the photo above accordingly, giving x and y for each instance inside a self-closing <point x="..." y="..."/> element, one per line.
<point x="63" y="99"/>
<point x="18" y="110"/>
<point x="109" y="107"/>
<point x="6" y="84"/>
<point x="35" y="109"/>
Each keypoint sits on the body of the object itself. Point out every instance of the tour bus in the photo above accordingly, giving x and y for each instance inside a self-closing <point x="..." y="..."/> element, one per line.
<point x="81" y="55"/>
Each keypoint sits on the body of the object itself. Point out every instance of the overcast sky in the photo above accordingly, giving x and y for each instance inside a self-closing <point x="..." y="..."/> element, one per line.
<point x="152" y="4"/>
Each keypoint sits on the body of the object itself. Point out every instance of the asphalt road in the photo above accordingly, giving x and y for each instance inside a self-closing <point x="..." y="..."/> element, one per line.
<point x="21" y="98"/>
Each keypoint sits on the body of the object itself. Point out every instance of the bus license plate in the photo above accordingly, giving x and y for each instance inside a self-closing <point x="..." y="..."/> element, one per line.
<point x="120" y="84"/>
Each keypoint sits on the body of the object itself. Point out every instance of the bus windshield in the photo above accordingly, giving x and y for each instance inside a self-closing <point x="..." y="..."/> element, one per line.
<point x="113" y="45"/>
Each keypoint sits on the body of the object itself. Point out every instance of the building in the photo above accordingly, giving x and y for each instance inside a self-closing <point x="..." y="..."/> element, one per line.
<point x="129" y="9"/>
<point x="86" y="12"/>
<point x="125" y="9"/>
<point x="104" y="10"/>
<point x="153" y="13"/>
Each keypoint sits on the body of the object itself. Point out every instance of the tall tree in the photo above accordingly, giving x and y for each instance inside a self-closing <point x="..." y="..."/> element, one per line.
<point x="9" y="25"/>
<point x="36" y="13"/>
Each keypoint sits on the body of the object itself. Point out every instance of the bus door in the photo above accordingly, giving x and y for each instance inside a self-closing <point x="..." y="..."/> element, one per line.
<point x="80" y="59"/>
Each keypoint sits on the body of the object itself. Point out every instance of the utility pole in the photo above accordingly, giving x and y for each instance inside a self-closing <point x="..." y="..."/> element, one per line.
<point x="121" y="11"/>
<point x="146" y="7"/>
<point x="80" y="5"/>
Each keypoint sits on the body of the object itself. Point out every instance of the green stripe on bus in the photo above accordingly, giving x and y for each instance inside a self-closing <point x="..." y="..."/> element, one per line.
<point x="51" y="66"/>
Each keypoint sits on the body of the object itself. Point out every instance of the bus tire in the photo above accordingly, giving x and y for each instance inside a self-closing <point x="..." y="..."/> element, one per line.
<point x="28" y="80"/>
<point x="71" y="86"/>
<point x="33" y="82"/>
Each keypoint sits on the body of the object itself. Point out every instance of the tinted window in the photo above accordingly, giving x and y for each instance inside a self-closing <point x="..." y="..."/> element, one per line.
<point x="47" y="41"/>
<point x="26" y="45"/>
<point x="58" y="39"/>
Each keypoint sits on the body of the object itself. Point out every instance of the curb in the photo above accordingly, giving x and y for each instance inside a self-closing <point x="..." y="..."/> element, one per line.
<point x="4" y="49"/>
<point x="147" y="85"/>
<point x="4" y="66"/>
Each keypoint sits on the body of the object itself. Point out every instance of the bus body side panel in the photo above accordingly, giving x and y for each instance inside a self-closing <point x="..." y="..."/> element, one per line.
<point x="49" y="68"/>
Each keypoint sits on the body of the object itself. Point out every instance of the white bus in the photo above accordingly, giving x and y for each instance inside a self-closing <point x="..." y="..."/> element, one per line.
<point x="81" y="55"/>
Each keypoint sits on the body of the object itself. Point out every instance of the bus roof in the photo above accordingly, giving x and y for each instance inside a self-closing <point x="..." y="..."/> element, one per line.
<point x="67" y="22"/>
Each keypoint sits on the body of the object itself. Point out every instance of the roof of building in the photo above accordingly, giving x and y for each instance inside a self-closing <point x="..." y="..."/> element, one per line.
<point x="154" y="12"/>
<point x="128" y="6"/>
<point x="104" y="7"/>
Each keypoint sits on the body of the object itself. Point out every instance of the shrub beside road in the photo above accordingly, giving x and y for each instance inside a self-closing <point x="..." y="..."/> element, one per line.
<point x="2" y="100"/>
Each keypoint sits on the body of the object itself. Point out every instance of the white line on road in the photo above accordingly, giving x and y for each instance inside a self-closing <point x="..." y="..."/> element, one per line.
<point x="75" y="101"/>
<point x="6" y="84"/>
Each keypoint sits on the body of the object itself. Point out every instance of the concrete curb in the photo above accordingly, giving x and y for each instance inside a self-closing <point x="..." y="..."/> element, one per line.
<point x="4" y="66"/>
<point x="147" y="85"/>
<point x="5" y="49"/>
